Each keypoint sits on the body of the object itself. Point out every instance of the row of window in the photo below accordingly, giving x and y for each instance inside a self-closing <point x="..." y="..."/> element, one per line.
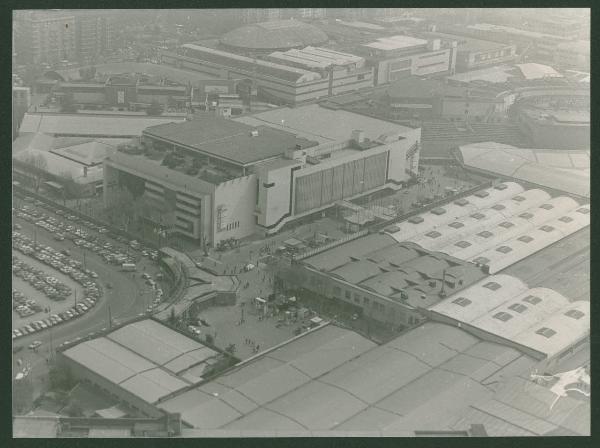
<point x="366" y="301"/>
<point x="232" y="225"/>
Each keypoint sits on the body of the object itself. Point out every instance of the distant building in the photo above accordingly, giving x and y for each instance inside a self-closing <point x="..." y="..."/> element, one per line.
<point x="558" y="25"/>
<point x="280" y="82"/>
<point x="271" y="36"/>
<point x="573" y="55"/>
<point x="125" y="92"/>
<point x="93" y="35"/>
<point x="473" y="54"/>
<point x="44" y="36"/>
<point x="111" y="125"/>
<point x="533" y="45"/>
<point x="423" y="99"/>
<point x="398" y="57"/>
<point x="21" y="100"/>
<point x="71" y="164"/>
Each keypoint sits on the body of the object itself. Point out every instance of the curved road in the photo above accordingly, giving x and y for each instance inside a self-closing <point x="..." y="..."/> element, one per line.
<point x="124" y="299"/>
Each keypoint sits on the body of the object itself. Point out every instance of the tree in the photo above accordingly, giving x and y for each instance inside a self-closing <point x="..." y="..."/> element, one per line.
<point x="209" y="339"/>
<point x="37" y="164"/>
<point x="72" y="188"/>
<point x="67" y="103"/>
<point x="60" y="378"/>
<point x="87" y="73"/>
<point x="73" y="409"/>
<point x="172" y="318"/>
<point x="230" y="349"/>
<point x="155" y="108"/>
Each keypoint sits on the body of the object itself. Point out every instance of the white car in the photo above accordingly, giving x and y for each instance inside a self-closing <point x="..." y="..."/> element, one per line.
<point x="35" y="344"/>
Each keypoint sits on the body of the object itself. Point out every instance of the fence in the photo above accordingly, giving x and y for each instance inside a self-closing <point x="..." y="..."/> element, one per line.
<point x="380" y="226"/>
<point x="327" y="246"/>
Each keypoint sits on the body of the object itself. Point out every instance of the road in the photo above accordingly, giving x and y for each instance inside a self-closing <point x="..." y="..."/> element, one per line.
<point x="124" y="300"/>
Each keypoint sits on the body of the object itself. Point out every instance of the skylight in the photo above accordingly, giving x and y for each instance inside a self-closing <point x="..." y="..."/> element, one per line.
<point x="518" y="307"/>
<point x="575" y="314"/>
<point x="492" y="285"/>
<point x="462" y="301"/>
<point x="533" y="300"/>
<point x="546" y="332"/>
<point x="503" y="316"/>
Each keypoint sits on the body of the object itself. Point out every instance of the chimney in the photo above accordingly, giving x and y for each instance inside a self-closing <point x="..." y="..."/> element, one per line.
<point x="358" y="135"/>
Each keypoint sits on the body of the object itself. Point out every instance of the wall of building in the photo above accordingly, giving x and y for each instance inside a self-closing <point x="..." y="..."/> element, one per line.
<point x="471" y="60"/>
<point x="549" y="135"/>
<point x="328" y="182"/>
<point x="274" y="193"/>
<point x="421" y="64"/>
<point x="289" y="92"/>
<point x="234" y="205"/>
<point x="175" y="200"/>
<point x="370" y="304"/>
<point x="89" y="97"/>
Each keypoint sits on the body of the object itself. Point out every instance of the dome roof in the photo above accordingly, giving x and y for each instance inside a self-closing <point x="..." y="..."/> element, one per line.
<point x="271" y="36"/>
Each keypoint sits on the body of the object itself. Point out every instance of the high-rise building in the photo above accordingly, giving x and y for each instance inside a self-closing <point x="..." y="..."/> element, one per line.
<point x="93" y="35"/>
<point x="44" y="36"/>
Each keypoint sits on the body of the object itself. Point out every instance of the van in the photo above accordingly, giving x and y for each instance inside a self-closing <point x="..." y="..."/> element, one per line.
<point x="128" y="266"/>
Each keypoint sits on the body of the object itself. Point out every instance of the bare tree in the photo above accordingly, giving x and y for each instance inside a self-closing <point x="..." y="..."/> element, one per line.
<point x="37" y="164"/>
<point x="71" y="187"/>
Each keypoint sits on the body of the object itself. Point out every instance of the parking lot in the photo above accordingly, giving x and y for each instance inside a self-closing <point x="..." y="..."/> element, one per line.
<point x="47" y="225"/>
<point x="57" y="279"/>
<point x="45" y="304"/>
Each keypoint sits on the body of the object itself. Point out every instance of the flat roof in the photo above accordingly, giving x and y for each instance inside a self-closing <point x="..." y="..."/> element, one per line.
<point x="249" y="65"/>
<point x="160" y="70"/>
<point x="317" y="57"/>
<point x="532" y="70"/>
<point x="145" y="358"/>
<point x="413" y="87"/>
<point x="396" y="43"/>
<point x="567" y="171"/>
<point x="496" y="74"/>
<point x="338" y="382"/>
<point x="102" y="125"/>
<point x="67" y="154"/>
<point x="321" y="124"/>
<point x="226" y="139"/>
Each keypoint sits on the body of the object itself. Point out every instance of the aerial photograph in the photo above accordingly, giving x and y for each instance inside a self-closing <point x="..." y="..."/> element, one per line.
<point x="300" y="222"/>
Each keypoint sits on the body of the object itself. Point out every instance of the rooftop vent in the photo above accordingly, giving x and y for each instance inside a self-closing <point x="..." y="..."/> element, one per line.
<point x="358" y="136"/>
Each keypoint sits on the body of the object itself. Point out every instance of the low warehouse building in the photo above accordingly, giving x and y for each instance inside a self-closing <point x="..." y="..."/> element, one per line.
<point x="140" y="363"/>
